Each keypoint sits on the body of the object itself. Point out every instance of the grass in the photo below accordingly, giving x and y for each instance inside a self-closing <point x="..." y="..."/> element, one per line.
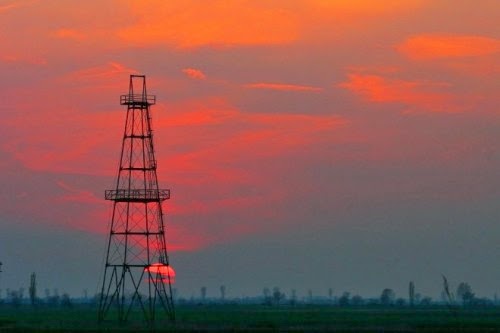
<point x="249" y="318"/>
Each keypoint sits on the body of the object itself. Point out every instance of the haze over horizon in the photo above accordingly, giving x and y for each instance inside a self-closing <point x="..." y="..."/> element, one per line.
<point x="308" y="144"/>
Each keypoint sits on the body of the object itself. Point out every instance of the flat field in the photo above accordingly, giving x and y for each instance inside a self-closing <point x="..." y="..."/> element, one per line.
<point x="260" y="318"/>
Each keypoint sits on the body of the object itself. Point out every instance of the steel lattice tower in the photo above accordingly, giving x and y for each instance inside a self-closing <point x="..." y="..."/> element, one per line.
<point x="137" y="272"/>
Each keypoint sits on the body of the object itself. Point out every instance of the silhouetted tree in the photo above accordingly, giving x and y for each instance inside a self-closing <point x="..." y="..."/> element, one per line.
<point x="278" y="296"/>
<point x="450" y="298"/>
<point x="387" y="297"/>
<point x="344" y="299"/>
<point x="411" y="293"/>
<point x="32" y="289"/>
<point x="310" y="295"/>
<point x="66" y="301"/>
<point x="203" y="292"/>
<point x="464" y="292"/>
<point x="222" y="293"/>
<point x="330" y="294"/>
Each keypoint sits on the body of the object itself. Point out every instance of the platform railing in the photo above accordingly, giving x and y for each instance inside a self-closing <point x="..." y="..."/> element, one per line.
<point x="137" y="195"/>
<point x="137" y="99"/>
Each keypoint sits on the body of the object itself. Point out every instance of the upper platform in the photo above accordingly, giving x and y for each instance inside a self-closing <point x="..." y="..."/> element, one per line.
<point x="137" y="195"/>
<point x="139" y="100"/>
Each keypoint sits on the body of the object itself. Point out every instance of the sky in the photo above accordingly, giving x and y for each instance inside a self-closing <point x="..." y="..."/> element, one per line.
<point x="307" y="144"/>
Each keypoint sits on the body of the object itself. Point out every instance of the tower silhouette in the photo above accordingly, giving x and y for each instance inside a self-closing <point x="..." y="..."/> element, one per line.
<point x="137" y="274"/>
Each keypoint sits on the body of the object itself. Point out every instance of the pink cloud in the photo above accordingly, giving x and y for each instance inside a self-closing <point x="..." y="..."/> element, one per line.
<point x="109" y="70"/>
<point x="194" y="73"/>
<point x="24" y="59"/>
<point x="423" y="95"/>
<point x="77" y="195"/>
<point x="102" y="81"/>
<point x="282" y="87"/>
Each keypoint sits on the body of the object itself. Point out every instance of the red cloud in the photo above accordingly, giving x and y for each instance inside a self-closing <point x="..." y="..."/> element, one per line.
<point x="223" y="149"/>
<point x="210" y="153"/>
<point x="52" y="145"/>
<point x="282" y="87"/>
<point x="428" y="47"/>
<point x="194" y="73"/>
<point x="413" y="93"/>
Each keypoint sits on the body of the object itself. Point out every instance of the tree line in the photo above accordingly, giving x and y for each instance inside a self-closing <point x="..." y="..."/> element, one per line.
<point x="461" y="296"/>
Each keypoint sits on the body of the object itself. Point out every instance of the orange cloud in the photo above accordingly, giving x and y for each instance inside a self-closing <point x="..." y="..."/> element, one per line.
<point x="365" y="7"/>
<point x="194" y="73"/>
<point x="282" y="87"/>
<point x="419" y="94"/>
<point x="69" y="34"/>
<point x="428" y="47"/>
<point x="192" y="23"/>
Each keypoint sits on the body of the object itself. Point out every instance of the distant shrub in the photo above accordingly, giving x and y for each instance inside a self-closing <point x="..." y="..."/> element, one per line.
<point x="66" y="301"/>
<point x="344" y="299"/>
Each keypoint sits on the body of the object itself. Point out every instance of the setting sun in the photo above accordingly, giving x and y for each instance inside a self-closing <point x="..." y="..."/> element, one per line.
<point x="165" y="272"/>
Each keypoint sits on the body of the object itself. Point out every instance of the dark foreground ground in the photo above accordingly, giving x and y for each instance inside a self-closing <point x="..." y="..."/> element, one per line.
<point x="256" y="318"/>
